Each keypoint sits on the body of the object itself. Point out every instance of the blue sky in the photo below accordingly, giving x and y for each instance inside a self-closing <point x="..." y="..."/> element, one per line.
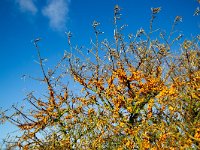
<point x="24" y="20"/>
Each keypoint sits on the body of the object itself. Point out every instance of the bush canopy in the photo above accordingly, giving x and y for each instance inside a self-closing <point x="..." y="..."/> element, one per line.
<point x="139" y="91"/>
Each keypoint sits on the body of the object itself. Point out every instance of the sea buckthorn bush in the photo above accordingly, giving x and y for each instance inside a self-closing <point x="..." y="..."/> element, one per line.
<point x="131" y="93"/>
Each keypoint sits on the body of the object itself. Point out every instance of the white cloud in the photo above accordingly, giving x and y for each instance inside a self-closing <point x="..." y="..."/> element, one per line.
<point x="27" y="6"/>
<point x="57" y="13"/>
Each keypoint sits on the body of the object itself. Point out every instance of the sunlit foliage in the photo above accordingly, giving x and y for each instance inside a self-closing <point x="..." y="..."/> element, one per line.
<point x="140" y="91"/>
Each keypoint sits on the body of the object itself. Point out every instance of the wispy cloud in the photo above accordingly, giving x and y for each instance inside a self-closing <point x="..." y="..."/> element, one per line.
<point x="27" y="6"/>
<point x="57" y="13"/>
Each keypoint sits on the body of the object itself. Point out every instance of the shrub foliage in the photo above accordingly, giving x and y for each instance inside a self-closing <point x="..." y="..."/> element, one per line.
<point x="139" y="91"/>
